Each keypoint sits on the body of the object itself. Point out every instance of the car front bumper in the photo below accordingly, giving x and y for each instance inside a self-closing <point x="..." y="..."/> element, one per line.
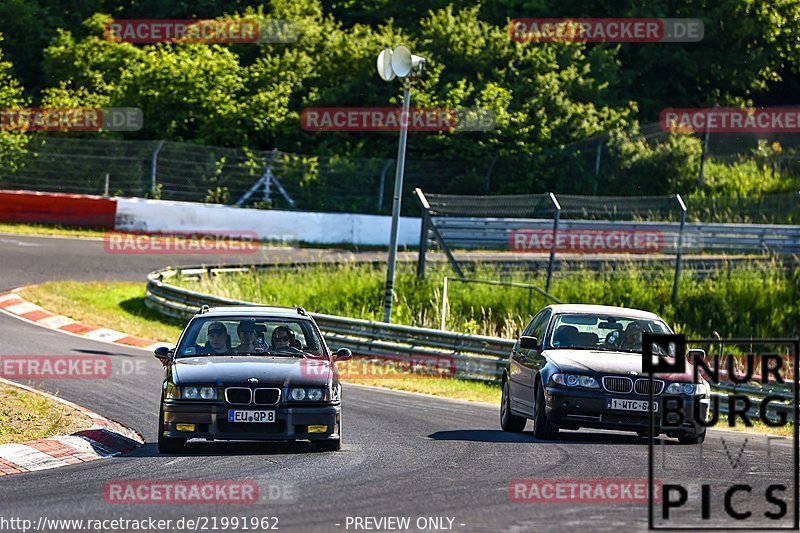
<point x="211" y="422"/>
<point x="574" y="408"/>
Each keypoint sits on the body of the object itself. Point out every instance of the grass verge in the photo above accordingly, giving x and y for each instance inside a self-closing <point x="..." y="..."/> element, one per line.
<point x="115" y="305"/>
<point x="41" y="229"/>
<point x="26" y="416"/>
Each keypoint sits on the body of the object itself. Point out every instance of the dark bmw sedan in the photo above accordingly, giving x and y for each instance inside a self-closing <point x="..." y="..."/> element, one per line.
<point x="580" y="366"/>
<point x="250" y="373"/>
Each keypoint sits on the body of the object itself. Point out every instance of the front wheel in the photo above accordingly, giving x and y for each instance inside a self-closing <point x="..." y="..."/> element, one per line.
<point x="329" y="445"/>
<point x="693" y="439"/>
<point x="508" y="421"/>
<point x="168" y="444"/>
<point x="542" y="428"/>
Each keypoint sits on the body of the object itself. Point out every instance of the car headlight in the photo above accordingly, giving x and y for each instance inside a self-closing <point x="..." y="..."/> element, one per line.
<point x="191" y="393"/>
<point x="575" y="380"/>
<point x="689" y="389"/>
<point x="310" y="395"/>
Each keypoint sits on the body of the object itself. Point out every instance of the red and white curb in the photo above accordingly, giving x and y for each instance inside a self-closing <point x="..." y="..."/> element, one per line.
<point x="105" y="438"/>
<point x="11" y="302"/>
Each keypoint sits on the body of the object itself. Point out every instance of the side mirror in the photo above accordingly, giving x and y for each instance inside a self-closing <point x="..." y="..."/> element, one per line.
<point x="528" y="343"/>
<point x="695" y="353"/>
<point x="343" y="354"/>
<point x="164" y="354"/>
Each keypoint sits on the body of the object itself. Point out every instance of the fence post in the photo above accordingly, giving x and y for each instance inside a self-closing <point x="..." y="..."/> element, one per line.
<point x="105" y="190"/>
<point x="556" y="218"/>
<point x="597" y="165"/>
<point x="153" y="166"/>
<point x="679" y="251"/>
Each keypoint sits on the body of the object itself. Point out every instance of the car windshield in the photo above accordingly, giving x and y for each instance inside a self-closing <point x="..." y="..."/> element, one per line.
<point x="603" y="332"/>
<point x="250" y="335"/>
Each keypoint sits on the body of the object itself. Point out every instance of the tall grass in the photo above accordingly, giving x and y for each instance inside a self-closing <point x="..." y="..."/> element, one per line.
<point x="757" y="299"/>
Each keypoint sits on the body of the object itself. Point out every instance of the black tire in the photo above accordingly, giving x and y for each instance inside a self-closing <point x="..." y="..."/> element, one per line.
<point x="329" y="445"/>
<point x="693" y="439"/>
<point x="542" y="428"/>
<point x="168" y="444"/>
<point x="509" y="421"/>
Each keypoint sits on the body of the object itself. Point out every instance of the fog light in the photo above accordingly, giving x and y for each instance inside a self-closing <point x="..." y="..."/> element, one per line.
<point x="184" y="427"/>
<point x="317" y="429"/>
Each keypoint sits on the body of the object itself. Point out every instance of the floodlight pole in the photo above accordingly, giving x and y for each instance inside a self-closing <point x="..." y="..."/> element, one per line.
<point x="398" y="193"/>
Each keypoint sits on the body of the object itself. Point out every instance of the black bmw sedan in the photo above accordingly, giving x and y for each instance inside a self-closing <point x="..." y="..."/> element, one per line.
<point x="250" y="373"/>
<point x="580" y="366"/>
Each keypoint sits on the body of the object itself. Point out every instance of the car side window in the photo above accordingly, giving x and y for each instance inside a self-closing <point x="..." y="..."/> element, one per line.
<point x="538" y="325"/>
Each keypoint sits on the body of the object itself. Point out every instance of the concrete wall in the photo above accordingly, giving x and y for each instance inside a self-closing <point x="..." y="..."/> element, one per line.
<point x="160" y="216"/>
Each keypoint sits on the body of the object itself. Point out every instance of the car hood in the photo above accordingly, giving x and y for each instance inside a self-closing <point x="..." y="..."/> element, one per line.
<point x="605" y="362"/>
<point x="225" y="370"/>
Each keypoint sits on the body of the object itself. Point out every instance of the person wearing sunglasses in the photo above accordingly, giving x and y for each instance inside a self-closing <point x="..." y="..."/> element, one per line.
<point x="282" y="337"/>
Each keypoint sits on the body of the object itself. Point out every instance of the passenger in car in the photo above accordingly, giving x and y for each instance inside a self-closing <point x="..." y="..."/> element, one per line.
<point x="282" y="337"/>
<point x="247" y="337"/>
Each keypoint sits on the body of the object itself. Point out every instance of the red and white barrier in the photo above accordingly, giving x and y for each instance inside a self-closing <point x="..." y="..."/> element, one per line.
<point x="160" y="216"/>
<point x="57" y="208"/>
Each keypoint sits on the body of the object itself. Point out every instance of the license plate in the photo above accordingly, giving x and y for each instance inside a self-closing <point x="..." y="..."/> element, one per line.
<point x="263" y="417"/>
<point x="631" y="405"/>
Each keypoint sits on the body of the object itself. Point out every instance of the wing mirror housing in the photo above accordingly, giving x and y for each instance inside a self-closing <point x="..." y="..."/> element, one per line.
<point x="343" y="354"/>
<point x="695" y="353"/>
<point x="528" y="343"/>
<point x="164" y="354"/>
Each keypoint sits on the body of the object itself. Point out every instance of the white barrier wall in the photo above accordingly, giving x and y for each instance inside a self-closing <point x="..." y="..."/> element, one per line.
<point x="161" y="216"/>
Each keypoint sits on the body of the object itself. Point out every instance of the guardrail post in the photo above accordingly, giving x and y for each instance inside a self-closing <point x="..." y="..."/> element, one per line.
<point x="556" y="218"/>
<point x="679" y="250"/>
<point x="444" y="302"/>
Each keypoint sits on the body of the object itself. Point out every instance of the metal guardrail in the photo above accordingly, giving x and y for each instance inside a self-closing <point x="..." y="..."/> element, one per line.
<point x="474" y="357"/>
<point x="496" y="233"/>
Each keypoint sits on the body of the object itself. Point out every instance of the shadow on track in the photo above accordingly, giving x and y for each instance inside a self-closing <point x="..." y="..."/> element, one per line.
<point x="209" y="449"/>
<point x="564" y="437"/>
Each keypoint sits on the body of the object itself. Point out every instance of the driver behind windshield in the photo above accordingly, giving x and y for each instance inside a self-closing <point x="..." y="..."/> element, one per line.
<point x="632" y="338"/>
<point x="218" y="339"/>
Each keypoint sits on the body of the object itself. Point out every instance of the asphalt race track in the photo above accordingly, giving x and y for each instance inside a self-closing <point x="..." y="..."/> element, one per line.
<point x="403" y="455"/>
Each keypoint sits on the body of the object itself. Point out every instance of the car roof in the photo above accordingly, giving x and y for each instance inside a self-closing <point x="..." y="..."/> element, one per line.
<point x="254" y="311"/>
<point x="603" y="310"/>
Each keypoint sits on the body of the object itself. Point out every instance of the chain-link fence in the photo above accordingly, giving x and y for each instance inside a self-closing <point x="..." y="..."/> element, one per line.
<point x="275" y="179"/>
<point x="197" y="173"/>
